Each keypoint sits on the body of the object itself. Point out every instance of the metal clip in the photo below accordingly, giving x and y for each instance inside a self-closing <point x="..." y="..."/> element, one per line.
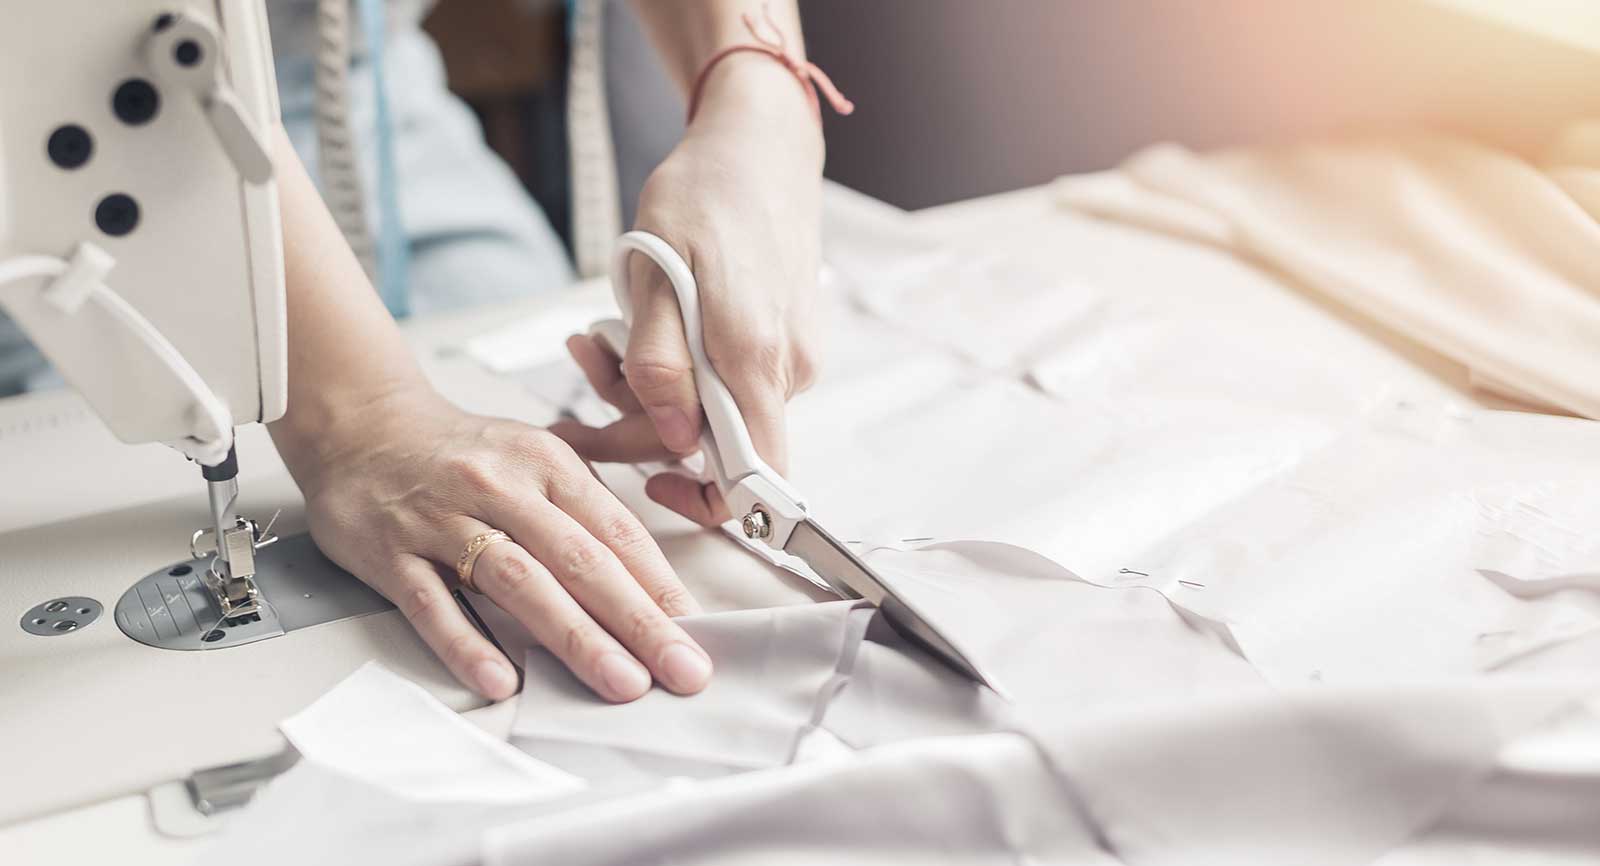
<point x="203" y="542"/>
<point x="215" y="789"/>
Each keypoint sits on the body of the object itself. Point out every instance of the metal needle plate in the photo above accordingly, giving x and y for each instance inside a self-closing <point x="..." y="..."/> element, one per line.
<point x="172" y="609"/>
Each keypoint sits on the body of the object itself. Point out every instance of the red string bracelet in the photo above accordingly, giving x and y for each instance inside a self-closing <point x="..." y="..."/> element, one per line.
<point x="776" y="48"/>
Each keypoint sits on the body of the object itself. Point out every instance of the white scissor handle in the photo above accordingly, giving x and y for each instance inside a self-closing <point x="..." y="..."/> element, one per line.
<point x="731" y="459"/>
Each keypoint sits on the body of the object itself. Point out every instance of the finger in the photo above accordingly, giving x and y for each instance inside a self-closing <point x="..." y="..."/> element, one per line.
<point x="632" y="439"/>
<point x="752" y="355"/>
<point x="604" y="372"/>
<point x="761" y="401"/>
<point x="513" y="579"/>
<point x="699" y="502"/>
<point x="599" y="512"/>
<point x="658" y="367"/>
<point x="421" y="595"/>
<point x="596" y="578"/>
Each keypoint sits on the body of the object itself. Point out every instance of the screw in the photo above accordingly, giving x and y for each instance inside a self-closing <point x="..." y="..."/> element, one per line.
<point x="755" y="524"/>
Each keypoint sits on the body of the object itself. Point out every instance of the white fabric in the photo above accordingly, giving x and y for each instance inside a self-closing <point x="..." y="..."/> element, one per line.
<point x="1366" y="560"/>
<point x="386" y="732"/>
<point x="774" y="668"/>
<point x="1335" y="776"/>
<point x="387" y="775"/>
<point x="968" y="800"/>
<point x="1153" y="743"/>
<point x="1321" y="607"/>
<point x="1180" y="753"/>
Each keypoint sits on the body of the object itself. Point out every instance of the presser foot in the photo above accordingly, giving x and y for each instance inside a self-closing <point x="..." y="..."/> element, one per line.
<point x="230" y="577"/>
<point x="239" y="599"/>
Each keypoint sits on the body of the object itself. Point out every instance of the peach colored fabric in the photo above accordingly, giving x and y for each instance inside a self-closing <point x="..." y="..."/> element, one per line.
<point x="1483" y="257"/>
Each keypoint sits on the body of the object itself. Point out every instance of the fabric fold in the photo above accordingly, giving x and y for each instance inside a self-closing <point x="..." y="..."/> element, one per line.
<point x="985" y="799"/>
<point x="772" y="667"/>
<point x="1471" y="252"/>
<point x="387" y="774"/>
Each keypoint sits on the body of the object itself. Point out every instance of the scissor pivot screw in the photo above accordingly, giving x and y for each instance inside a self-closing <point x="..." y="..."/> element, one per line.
<point x="756" y="524"/>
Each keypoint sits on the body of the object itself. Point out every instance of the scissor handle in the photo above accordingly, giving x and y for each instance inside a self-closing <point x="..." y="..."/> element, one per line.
<point x="729" y="451"/>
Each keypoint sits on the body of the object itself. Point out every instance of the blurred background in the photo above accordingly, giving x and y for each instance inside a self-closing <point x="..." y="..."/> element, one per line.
<point x="960" y="98"/>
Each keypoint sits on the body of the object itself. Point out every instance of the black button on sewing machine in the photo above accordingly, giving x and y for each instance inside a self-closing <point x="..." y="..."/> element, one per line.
<point x="135" y="102"/>
<point x="117" y="214"/>
<point x="70" y="146"/>
<point x="187" y="53"/>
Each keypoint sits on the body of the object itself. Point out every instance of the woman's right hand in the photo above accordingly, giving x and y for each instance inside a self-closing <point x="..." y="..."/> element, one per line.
<point x="397" y="496"/>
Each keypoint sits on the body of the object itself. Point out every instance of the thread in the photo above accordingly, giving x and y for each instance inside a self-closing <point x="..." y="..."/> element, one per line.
<point x="812" y="79"/>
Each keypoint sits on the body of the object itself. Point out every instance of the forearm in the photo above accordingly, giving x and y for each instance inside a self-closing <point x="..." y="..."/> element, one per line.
<point x="686" y="35"/>
<point x="744" y="92"/>
<point x="345" y="352"/>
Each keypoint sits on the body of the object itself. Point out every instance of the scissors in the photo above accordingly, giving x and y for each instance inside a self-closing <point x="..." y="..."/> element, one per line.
<point x="769" y="508"/>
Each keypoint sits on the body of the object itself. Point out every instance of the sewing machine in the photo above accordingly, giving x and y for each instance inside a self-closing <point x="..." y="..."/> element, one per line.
<point x="140" y="247"/>
<point x="140" y="252"/>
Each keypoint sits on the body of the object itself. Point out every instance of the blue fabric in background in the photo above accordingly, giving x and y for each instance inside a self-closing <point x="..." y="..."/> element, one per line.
<point x="393" y="266"/>
<point x="468" y="232"/>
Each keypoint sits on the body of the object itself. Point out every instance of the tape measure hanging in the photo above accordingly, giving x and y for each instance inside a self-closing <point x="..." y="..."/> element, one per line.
<point x="384" y="257"/>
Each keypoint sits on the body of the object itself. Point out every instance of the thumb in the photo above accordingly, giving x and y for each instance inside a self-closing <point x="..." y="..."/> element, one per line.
<point x="658" y="367"/>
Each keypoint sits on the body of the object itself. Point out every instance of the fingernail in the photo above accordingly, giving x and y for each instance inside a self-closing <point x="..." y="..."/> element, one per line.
<point x="495" y="679"/>
<point x="674" y="428"/>
<point x="684" y="669"/>
<point x="623" y="676"/>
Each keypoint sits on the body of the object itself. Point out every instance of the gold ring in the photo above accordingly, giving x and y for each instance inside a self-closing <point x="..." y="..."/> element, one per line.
<point x="469" y="556"/>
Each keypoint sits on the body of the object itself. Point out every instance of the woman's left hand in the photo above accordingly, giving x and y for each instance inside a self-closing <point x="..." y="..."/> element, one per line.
<point x="739" y="198"/>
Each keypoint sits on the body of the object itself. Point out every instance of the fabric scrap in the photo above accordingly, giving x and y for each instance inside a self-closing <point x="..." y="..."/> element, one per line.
<point x="1054" y="640"/>
<point x="383" y="730"/>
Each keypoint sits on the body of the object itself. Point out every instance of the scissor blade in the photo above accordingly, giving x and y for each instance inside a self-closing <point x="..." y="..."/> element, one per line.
<point x="852" y="578"/>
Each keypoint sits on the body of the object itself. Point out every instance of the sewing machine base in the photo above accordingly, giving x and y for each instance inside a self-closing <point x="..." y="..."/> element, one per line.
<point x="172" y="609"/>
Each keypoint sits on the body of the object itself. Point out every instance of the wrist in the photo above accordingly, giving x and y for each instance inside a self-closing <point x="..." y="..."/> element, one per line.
<point x="323" y="428"/>
<point x="750" y="93"/>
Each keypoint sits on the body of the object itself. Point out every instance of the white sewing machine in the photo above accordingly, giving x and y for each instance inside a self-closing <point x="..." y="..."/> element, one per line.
<point x="139" y="238"/>
<point x="141" y="253"/>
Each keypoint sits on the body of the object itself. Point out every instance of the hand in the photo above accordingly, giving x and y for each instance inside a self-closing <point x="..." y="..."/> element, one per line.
<point x="739" y="199"/>
<point x="396" y="502"/>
